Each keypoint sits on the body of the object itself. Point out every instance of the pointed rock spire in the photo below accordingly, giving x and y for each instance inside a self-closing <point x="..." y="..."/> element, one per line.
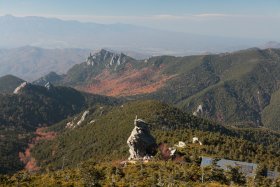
<point x="141" y="143"/>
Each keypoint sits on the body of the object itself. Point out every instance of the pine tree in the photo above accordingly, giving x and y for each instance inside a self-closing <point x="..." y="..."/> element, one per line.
<point x="234" y="175"/>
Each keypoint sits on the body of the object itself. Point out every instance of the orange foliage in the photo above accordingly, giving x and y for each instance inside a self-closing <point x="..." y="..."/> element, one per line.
<point x="26" y="158"/>
<point x="129" y="82"/>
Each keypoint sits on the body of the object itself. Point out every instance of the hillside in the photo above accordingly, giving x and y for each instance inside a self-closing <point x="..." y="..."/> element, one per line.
<point x="271" y="112"/>
<point x="233" y="88"/>
<point x="8" y="83"/>
<point x="32" y="107"/>
<point x="94" y="150"/>
<point x="102" y="136"/>
<point x="52" y="105"/>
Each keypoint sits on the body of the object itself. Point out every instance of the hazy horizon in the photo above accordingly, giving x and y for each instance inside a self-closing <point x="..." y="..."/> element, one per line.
<point x="256" y="19"/>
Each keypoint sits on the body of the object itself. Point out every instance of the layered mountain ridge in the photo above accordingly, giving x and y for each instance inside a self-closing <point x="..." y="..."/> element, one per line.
<point x="30" y="63"/>
<point x="234" y="88"/>
<point x="82" y="128"/>
<point x="57" y="33"/>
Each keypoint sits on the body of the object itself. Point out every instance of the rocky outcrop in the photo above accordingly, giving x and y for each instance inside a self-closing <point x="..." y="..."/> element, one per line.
<point x="199" y="111"/>
<point x="20" y="87"/>
<point x="141" y="143"/>
<point x="85" y="114"/>
<point x="49" y="86"/>
<point x="196" y="140"/>
<point x="181" y="144"/>
<point x="174" y="153"/>
<point x="72" y="124"/>
<point x="107" y="58"/>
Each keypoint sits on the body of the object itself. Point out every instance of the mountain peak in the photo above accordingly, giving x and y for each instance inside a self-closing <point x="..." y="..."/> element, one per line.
<point x="10" y="77"/>
<point x="51" y="77"/>
<point x="108" y="58"/>
<point x="104" y="51"/>
<point x="8" y="83"/>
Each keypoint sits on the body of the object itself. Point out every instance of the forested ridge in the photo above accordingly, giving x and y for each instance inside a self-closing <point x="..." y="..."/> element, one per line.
<point x="36" y="106"/>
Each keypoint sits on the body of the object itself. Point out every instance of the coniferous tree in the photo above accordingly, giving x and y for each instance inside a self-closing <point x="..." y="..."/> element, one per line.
<point x="234" y="175"/>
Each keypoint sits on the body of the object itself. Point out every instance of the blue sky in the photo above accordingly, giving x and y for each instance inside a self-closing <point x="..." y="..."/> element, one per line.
<point x="236" y="18"/>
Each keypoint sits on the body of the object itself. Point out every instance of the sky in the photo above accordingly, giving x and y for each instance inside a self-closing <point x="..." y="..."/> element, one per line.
<point x="231" y="18"/>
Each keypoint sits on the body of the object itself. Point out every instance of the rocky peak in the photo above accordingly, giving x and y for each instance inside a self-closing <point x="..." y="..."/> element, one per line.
<point x="141" y="143"/>
<point x="50" y="78"/>
<point x="107" y="58"/>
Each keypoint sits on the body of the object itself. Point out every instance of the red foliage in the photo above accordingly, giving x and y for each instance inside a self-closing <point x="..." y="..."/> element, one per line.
<point x="165" y="152"/>
<point x="129" y="82"/>
<point x="26" y="158"/>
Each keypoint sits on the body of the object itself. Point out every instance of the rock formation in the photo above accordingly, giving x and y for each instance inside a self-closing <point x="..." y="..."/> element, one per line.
<point x="72" y="124"/>
<point x="20" y="87"/>
<point x="196" y="140"/>
<point x="199" y="111"/>
<point x="49" y="86"/>
<point x="141" y="143"/>
<point x="107" y="58"/>
<point x="85" y="114"/>
<point x="181" y="144"/>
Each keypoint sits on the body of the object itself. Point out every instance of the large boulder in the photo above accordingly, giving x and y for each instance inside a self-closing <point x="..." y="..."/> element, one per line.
<point x="141" y="143"/>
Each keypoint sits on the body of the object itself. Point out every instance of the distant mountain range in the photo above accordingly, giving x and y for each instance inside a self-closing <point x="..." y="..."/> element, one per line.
<point x="30" y="63"/>
<point x="238" y="88"/>
<point x="56" y="45"/>
<point x="271" y="44"/>
<point x="55" y="33"/>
